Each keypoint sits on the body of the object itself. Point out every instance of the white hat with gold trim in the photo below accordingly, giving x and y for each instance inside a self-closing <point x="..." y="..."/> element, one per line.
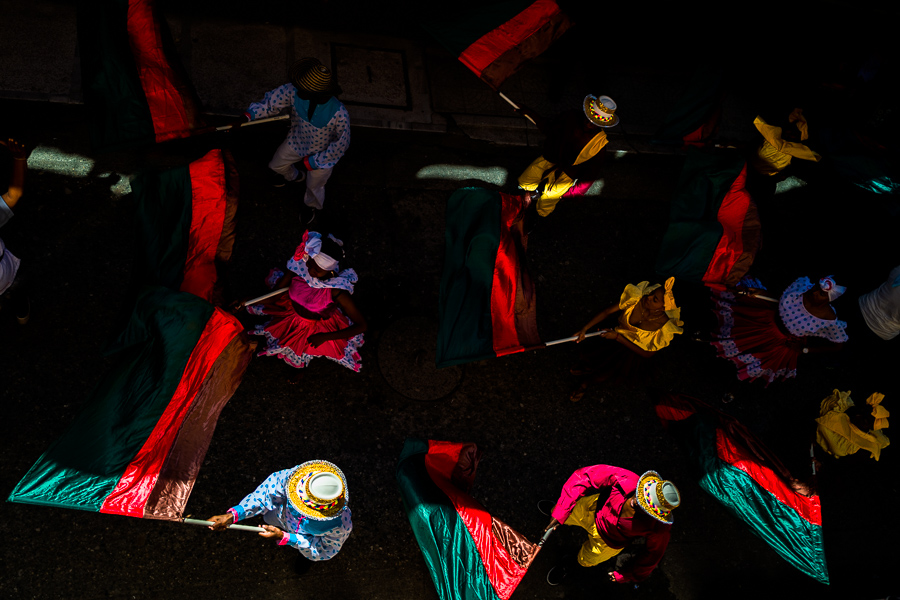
<point x="601" y="111"/>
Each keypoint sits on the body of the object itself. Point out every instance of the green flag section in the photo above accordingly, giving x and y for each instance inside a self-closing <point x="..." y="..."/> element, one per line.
<point x="494" y="39"/>
<point x="134" y="86"/>
<point x="873" y="174"/>
<point x="137" y="446"/>
<point x="185" y="221"/>
<point x="487" y="306"/>
<point x="714" y="229"/>
<point x="740" y="472"/>
<point x="470" y="554"/>
<point x="694" y="116"/>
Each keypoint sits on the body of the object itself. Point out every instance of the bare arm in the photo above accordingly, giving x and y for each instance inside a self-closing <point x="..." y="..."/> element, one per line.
<point x="345" y="302"/>
<point x="598" y="318"/>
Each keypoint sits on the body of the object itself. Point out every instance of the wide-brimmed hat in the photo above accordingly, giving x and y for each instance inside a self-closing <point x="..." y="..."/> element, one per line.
<point x="318" y="490"/>
<point x="601" y="111"/>
<point x="657" y="497"/>
<point x="310" y="75"/>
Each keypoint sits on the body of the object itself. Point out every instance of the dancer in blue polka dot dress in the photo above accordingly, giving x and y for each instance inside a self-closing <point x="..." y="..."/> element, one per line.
<point x="764" y="339"/>
<point x="320" y="127"/>
<point x="306" y="507"/>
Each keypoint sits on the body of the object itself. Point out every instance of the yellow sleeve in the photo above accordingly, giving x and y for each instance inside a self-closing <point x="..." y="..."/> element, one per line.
<point x="632" y="294"/>
<point x="773" y="136"/>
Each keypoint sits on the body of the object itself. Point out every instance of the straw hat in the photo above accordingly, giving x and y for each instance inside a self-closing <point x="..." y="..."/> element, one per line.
<point x="601" y="111"/>
<point x="657" y="497"/>
<point x="317" y="489"/>
<point x="310" y="75"/>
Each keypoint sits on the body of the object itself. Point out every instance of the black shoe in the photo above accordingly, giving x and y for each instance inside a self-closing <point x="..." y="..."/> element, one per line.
<point x="557" y="574"/>
<point x="278" y="181"/>
<point x="546" y="507"/>
<point x="310" y="215"/>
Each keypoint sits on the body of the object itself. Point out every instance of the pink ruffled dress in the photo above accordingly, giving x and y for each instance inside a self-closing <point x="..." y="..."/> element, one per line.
<point x="287" y="332"/>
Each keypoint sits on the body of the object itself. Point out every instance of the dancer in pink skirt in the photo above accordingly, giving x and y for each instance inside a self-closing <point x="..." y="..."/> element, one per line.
<point x="317" y="316"/>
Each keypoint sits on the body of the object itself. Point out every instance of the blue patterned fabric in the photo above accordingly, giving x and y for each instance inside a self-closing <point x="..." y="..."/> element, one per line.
<point x="316" y="540"/>
<point x="323" y="140"/>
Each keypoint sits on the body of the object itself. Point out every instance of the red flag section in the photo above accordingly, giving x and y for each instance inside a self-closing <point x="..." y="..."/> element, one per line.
<point x="170" y="101"/>
<point x="503" y="570"/>
<point x="498" y="54"/>
<point x="808" y="507"/>
<point x="208" y="189"/>
<point x="740" y="234"/>
<point x="136" y="484"/>
<point x="512" y="291"/>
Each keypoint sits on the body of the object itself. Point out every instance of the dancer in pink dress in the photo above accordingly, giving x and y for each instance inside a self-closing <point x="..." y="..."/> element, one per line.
<point x="317" y="316"/>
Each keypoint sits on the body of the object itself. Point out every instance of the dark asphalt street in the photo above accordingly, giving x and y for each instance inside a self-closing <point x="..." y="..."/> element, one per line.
<point x="74" y="238"/>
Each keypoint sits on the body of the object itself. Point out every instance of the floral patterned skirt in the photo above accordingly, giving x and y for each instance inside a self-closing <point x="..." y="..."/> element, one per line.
<point x="286" y="335"/>
<point x="750" y="336"/>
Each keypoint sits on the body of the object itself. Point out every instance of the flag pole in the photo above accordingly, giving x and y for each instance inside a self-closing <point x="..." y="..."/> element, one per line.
<point x="760" y="296"/>
<point x="812" y="457"/>
<point x="574" y="337"/>
<point x="187" y="521"/>
<point x="264" y="297"/>
<point x="546" y="535"/>
<point x="254" y="122"/>
<point x="514" y="105"/>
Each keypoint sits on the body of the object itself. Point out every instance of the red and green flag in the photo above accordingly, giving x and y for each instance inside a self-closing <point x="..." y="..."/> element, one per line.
<point x="134" y="85"/>
<point x="137" y="445"/>
<point x="714" y="228"/>
<point x="470" y="554"/>
<point x="487" y="304"/>
<point x="494" y="39"/>
<point x="738" y="470"/>
<point x="185" y="220"/>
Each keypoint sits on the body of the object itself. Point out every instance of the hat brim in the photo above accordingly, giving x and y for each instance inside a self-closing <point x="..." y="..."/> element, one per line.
<point x="586" y="105"/>
<point x="316" y="466"/>
<point x="294" y="75"/>
<point x="650" y="477"/>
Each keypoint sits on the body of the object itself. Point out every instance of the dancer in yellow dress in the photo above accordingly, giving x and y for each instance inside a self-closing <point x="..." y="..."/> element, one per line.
<point x="572" y="152"/>
<point x="648" y="322"/>
<point x="839" y="436"/>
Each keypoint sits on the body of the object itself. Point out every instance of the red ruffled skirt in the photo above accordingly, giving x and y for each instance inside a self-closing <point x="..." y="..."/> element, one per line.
<point x="287" y="333"/>
<point x="750" y="335"/>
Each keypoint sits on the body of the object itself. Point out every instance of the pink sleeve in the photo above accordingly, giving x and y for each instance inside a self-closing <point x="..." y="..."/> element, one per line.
<point x="582" y="480"/>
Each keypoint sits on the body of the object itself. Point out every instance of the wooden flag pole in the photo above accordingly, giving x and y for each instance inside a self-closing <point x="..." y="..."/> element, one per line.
<point x="187" y="521"/>
<point x="264" y="296"/>
<point x="255" y="122"/>
<point x="514" y="105"/>
<point x="575" y="337"/>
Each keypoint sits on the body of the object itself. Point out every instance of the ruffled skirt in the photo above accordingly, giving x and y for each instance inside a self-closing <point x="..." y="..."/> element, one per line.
<point x="750" y="336"/>
<point x="286" y="335"/>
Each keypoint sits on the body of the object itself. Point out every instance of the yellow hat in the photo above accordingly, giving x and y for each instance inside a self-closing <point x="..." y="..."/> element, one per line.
<point x="657" y="496"/>
<point x="317" y="489"/>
